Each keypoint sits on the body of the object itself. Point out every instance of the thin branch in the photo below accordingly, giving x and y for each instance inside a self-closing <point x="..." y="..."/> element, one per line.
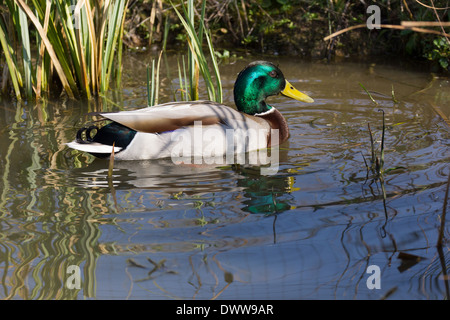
<point x="387" y="26"/>
<point x="410" y="24"/>
<point x="444" y="211"/>
<point x="430" y="7"/>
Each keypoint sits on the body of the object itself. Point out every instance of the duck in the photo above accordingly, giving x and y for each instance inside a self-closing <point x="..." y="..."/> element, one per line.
<point x="197" y="128"/>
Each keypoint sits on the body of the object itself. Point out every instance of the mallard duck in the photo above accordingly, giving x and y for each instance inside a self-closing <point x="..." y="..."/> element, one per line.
<point x="198" y="127"/>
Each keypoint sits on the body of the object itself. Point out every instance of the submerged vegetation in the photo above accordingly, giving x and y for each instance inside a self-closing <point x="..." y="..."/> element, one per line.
<point x="76" y="46"/>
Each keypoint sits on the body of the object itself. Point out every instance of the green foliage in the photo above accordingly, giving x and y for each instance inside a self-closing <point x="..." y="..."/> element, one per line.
<point x="44" y="53"/>
<point x="439" y="52"/>
<point x="299" y="26"/>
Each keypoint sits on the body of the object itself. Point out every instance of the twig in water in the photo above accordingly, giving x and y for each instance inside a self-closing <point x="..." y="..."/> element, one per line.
<point x="444" y="212"/>
<point x="368" y="93"/>
<point x="382" y="144"/>
<point x="111" y="162"/>
<point x="393" y="95"/>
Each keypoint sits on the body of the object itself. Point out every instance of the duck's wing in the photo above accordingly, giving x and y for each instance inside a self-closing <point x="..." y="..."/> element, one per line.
<point x="171" y="116"/>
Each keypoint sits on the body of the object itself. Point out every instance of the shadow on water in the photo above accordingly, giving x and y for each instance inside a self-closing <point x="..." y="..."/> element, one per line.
<point x="155" y="230"/>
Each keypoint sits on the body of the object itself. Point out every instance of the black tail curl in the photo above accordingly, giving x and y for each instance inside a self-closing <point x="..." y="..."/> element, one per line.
<point x="88" y="138"/>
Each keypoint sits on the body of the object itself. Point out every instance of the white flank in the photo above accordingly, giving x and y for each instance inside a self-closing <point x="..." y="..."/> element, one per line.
<point x="92" y="147"/>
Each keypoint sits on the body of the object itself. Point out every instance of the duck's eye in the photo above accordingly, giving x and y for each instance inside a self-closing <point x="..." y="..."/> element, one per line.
<point x="273" y="74"/>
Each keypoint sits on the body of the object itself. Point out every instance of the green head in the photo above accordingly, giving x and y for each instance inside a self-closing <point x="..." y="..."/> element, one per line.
<point x="259" y="80"/>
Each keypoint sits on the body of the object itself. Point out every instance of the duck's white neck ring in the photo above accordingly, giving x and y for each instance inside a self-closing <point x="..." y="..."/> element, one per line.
<point x="272" y="109"/>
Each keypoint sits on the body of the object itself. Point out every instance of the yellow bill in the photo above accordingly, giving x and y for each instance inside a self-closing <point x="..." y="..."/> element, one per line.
<point x="291" y="92"/>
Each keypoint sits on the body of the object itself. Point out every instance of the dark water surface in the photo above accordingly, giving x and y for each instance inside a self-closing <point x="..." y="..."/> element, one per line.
<point x="162" y="231"/>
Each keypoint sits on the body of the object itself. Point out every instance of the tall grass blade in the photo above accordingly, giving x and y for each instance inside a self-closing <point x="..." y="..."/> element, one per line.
<point x="202" y="22"/>
<point x="49" y="47"/>
<point x="91" y="45"/>
<point x="152" y="85"/>
<point x="118" y="73"/>
<point x="166" y="32"/>
<point x="153" y="82"/>
<point x="79" y="40"/>
<point x="41" y="75"/>
<point x="197" y="61"/>
<point x="83" y="47"/>
<point x="372" y="146"/>
<point x="219" y="94"/>
<point x="149" y="98"/>
<point x="115" y="18"/>
<point x="192" y="62"/>
<point x="26" y="53"/>
<point x="368" y="93"/>
<point x="10" y="60"/>
<point x="65" y="41"/>
<point x="180" y="80"/>
<point x="187" y="97"/>
<point x="157" y="79"/>
<point x="393" y="95"/>
<point x="382" y="142"/>
<point x="57" y="38"/>
<point x="183" y="81"/>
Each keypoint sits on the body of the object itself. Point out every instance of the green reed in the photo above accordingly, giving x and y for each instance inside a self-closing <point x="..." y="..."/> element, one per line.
<point x="153" y="82"/>
<point x="198" y="61"/>
<point x="376" y="163"/>
<point x="80" y="44"/>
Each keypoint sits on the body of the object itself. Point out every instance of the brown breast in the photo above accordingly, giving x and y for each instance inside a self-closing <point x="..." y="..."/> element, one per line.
<point x="276" y="121"/>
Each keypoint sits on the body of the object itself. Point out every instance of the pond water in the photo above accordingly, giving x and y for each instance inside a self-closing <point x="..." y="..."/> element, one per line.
<point x="157" y="230"/>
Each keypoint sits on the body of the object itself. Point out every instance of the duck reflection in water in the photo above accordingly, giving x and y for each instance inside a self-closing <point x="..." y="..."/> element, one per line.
<point x="265" y="194"/>
<point x="262" y="194"/>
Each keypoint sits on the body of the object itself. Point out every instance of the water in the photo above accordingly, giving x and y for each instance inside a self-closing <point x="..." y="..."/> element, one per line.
<point x="161" y="231"/>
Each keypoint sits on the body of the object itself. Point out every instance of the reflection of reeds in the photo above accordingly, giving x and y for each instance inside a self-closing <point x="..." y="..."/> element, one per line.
<point x="80" y="45"/>
<point x="36" y="266"/>
<point x="49" y="226"/>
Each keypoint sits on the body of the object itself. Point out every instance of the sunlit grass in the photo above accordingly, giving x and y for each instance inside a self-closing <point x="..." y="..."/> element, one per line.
<point x="197" y="59"/>
<point x="153" y="82"/>
<point x="79" y="44"/>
